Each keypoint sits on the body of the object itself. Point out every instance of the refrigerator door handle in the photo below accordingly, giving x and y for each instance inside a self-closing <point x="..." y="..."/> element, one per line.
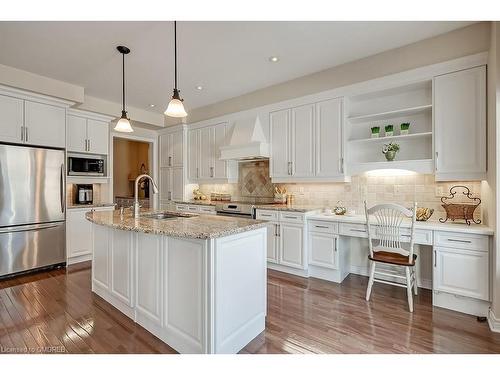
<point x="26" y="228"/>
<point x="61" y="189"/>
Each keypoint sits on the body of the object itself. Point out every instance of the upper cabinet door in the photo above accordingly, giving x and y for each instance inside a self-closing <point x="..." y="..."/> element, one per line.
<point x="46" y="124"/>
<point x="12" y="119"/>
<point x="279" y="124"/>
<point x="165" y="147"/>
<point x="177" y="148"/>
<point x="328" y="134"/>
<point x="302" y="141"/>
<point x="193" y="155"/>
<point x="219" y="166"/>
<point x="98" y="136"/>
<point x="206" y="140"/>
<point x="77" y="134"/>
<point x="460" y="125"/>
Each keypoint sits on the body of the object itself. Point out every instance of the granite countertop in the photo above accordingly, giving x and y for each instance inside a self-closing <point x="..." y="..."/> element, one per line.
<point x="199" y="202"/>
<point x="96" y="205"/>
<point x="185" y="226"/>
<point x="429" y="225"/>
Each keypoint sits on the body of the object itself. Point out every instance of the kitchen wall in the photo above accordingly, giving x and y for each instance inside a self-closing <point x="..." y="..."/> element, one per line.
<point x="254" y="181"/>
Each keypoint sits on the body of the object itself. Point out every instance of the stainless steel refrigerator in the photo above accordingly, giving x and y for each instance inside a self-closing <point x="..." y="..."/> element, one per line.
<point x="32" y="208"/>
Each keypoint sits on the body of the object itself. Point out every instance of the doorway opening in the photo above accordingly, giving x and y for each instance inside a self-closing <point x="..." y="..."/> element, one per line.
<point x="131" y="158"/>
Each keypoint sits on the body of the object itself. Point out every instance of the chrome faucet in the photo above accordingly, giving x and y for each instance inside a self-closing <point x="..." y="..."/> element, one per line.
<point x="136" y="192"/>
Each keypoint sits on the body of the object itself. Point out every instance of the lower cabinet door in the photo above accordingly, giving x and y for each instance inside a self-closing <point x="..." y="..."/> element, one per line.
<point x="292" y="245"/>
<point x="323" y="250"/>
<point x="165" y="183"/>
<point x="100" y="256"/>
<point x="461" y="272"/>
<point x="177" y="183"/>
<point x="148" y="277"/>
<point x="78" y="233"/>
<point x="272" y="242"/>
<point x="121" y="265"/>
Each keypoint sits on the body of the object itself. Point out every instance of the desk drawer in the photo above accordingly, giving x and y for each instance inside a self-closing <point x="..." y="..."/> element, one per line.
<point x="353" y="230"/>
<point x="461" y="241"/>
<point x="291" y="217"/>
<point x="267" y="215"/>
<point x="422" y="236"/>
<point x="323" y="227"/>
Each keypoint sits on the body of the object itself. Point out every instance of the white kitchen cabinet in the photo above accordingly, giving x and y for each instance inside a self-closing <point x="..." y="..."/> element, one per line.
<point x="148" y="301"/>
<point x="88" y="132"/>
<point x="461" y="272"/>
<point x="302" y="141"/>
<point x="292" y="245"/>
<point x="79" y="234"/>
<point x="306" y="143"/>
<point x="328" y="135"/>
<point x="121" y="266"/>
<point x="280" y="140"/>
<point x="45" y="124"/>
<point x="460" y="125"/>
<point x="100" y="256"/>
<point x="273" y="243"/>
<point x="204" y="163"/>
<point x="11" y="126"/>
<point x="165" y="184"/>
<point x="177" y="187"/>
<point x="171" y="149"/>
<point x="323" y="249"/>
<point x="172" y="164"/>
<point x="165" y="147"/>
<point x="193" y="155"/>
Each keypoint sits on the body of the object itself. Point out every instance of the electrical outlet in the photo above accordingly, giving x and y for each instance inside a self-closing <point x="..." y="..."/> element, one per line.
<point x="439" y="191"/>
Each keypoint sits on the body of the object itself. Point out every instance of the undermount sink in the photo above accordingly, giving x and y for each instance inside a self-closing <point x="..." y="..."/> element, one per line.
<point x="165" y="215"/>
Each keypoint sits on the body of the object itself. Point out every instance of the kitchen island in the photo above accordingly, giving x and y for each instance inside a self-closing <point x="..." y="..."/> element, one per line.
<point x="198" y="282"/>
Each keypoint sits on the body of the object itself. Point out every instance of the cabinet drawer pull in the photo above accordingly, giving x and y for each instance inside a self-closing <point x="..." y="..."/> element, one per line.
<point x="266" y="215"/>
<point x="435" y="258"/>
<point x="169" y="161"/>
<point x="335" y="241"/>
<point x="322" y="226"/>
<point x="358" y="230"/>
<point x="461" y="241"/>
<point x="291" y="217"/>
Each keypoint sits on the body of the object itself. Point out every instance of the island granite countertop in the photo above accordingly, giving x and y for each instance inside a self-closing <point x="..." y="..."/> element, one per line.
<point x="185" y="226"/>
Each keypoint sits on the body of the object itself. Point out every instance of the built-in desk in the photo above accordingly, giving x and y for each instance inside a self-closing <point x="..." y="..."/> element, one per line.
<point x="460" y="256"/>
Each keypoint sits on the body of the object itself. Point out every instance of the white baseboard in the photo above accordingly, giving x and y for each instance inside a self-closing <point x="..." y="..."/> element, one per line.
<point x="493" y="321"/>
<point x="364" y="271"/>
<point x="78" y="259"/>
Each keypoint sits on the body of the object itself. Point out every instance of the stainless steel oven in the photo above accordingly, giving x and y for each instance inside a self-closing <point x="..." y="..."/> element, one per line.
<point x="236" y="209"/>
<point x="86" y="165"/>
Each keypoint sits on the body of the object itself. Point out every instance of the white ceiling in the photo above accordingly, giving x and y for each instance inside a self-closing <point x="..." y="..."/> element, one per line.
<point x="227" y="58"/>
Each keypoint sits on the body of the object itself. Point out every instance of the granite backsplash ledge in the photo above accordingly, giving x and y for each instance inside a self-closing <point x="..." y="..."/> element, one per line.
<point x="254" y="182"/>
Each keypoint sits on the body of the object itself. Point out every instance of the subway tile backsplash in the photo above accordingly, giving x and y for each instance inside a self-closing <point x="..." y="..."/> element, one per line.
<point x="402" y="189"/>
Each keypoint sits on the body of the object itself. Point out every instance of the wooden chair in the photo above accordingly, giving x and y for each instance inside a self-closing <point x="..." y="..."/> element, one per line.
<point x="385" y="243"/>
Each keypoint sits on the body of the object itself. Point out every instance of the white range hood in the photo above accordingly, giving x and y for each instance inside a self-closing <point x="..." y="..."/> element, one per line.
<point x="247" y="141"/>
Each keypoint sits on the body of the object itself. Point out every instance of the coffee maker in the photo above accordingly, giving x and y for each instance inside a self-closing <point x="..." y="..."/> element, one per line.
<point x="84" y="194"/>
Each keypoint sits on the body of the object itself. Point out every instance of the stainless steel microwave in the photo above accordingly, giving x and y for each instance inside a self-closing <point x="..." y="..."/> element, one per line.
<point x="86" y="165"/>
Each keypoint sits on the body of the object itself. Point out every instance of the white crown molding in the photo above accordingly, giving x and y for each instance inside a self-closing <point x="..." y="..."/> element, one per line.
<point x="32" y="96"/>
<point x="89" y="114"/>
<point x="493" y="321"/>
<point x="172" y="129"/>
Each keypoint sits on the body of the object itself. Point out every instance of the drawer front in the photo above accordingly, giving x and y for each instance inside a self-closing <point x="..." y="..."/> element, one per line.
<point x="267" y="215"/>
<point x="181" y="207"/>
<point x="210" y="210"/>
<point x="422" y="236"/>
<point x="353" y="230"/>
<point x="291" y="217"/>
<point x="323" y="227"/>
<point x="461" y="241"/>
<point x="193" y="209"/>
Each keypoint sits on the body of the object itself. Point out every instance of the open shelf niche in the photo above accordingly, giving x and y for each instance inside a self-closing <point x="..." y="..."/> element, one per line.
<point x="406" y="103"/>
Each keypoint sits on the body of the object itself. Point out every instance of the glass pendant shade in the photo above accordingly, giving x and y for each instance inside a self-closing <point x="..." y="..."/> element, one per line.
<point x="175" y="107"/>
<point x="123" y="124"/>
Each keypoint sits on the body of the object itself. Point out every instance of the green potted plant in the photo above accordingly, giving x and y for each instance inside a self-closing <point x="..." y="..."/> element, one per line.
<point x="389" y="130"/>
<point x="390" y="151"/>
<point x="405" y="128"/>
<point x="375" y="131"/>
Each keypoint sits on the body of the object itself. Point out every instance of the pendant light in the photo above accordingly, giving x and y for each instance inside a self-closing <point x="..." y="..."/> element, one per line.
<point x="123" y="124"/>
<point x="175" y="107"/>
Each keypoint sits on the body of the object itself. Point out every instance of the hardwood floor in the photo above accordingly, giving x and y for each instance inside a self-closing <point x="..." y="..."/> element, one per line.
<point x="55" y="312"/>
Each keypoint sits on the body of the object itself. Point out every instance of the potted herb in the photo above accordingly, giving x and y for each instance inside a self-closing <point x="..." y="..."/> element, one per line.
<point x="375" y="131"/>
<point x="389" y="130"/>
<point x="405" y="128"/>
<point x="390" y="151"/>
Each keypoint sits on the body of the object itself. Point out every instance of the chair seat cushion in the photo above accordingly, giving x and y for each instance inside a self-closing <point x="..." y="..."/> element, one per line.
<point x="392" y="258"/>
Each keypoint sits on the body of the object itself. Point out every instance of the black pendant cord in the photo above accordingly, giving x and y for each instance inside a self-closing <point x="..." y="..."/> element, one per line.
<point x="123" y="81"/>
<point x="175" y="53"/>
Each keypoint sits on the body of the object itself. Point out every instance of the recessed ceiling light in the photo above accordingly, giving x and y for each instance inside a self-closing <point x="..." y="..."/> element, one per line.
<point x="274" y="59"/>
<point x="152" y="105"/>
<point x="199" y="87"/>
